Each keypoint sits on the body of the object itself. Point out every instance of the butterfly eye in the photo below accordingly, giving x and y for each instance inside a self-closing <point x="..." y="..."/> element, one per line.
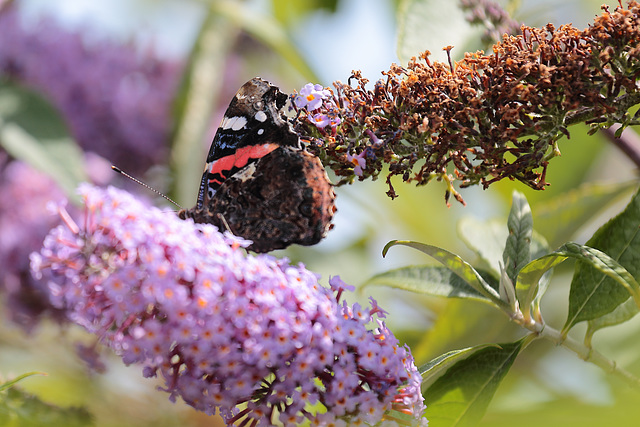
<point x="258" y="105"/>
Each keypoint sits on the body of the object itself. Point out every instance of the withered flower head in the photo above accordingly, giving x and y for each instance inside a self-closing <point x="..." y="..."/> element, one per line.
<point x="485" y="117"/>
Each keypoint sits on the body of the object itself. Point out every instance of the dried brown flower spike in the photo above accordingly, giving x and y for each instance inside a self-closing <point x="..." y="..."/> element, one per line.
<point x="486" y="117"/>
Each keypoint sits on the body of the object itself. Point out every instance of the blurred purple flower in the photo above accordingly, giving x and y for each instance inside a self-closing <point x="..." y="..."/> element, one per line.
<point x="116" y="100"/>
<point x="252" y="337"/>
<point x="492" y="17"/>
<point x="24" y="222"/>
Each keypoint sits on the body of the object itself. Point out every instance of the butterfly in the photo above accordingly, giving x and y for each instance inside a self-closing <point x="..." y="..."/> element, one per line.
<point x="258" y="181"/>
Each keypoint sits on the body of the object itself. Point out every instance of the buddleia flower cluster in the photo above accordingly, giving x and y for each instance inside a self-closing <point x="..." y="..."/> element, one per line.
<point x="23" y="225"/>
<point x="116" y="98"/>
<point x="116" y="101"/>
<point x="253" y="338"/>
<point x="484" y="118"/>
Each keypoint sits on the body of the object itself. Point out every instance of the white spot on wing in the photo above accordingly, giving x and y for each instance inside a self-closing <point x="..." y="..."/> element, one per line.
<point x="260" y="131"/>
<point x="261" y="116"/>
<point x="234" y="123"/>
<point x="225" y="123"/>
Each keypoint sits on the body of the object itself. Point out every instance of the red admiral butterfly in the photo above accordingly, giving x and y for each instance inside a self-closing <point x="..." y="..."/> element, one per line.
<point x="258" y="181"/>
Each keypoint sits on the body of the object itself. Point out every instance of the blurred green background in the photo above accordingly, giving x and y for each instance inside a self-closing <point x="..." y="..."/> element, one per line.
<point x="217" y="46"/>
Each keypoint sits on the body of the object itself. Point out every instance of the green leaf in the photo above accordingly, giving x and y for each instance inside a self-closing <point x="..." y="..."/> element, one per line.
<point x="595" y="289"/>
<point x="431" y="280"/>
<point x="17" y="379"/>
<point x="507" y="292"/>
<point x="460" y="397"/>
<point x="31" y="130"/>
<point x="438" y="366"/>
<point x="540" y="248"/>
<point x="539" y="245"/>
<point x="517" y="251"/>
<point x="528" y="286"/>
<point x="624" y="312"/>
<point x="485" y="238"/>
<point x="18" y="408"/>
<point x="457" y="265"/>
<point x="531" y="274"/>
<point x="531" y="285"/>
<point x="560" y="218"/>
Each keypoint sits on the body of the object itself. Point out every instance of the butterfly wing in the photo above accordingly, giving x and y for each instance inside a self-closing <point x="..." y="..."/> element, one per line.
<point x="252" y="127"/>
<point x="283" y="198"/>
<point x="258" y="183"/>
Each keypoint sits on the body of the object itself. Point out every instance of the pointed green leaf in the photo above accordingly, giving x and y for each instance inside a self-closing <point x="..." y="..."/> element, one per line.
<point x="31" y="111"/>
<point x="431" y="280"/>
<point x="456" y="264"/>
<point x="597" y="290"/>
<point x="31" y="130"/>
<point x="624" y="312"/>
<point x="508" y="291"/>
<point x="539" y="245"/>
<point x="485" y="238"/>
<point x="540" y="248"/>
<point x="460" y="397"/>
<point x="560" y="218"/>
<point x="607" y="273"/>
<point x="436" y="367"/>
<point x="18" y="408"/>
<point x="528" y="286"/>
<point x="19" y="378"/>
<point x="531" y="274"/>
<point x="517" y="251"/>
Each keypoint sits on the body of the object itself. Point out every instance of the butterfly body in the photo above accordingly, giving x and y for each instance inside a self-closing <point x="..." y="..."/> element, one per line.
<point x="258" y="182"/>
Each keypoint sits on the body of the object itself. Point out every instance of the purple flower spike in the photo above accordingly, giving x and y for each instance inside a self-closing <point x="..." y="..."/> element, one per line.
<point x="24" y="222"/>
<point x="115" y="98"/>
<point x="253" y="338"/>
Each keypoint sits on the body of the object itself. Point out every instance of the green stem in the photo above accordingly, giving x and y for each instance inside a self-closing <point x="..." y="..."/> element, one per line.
<point x="584" y="352"/>
<point x="194" y="106"/>
<point x="590" y="355"/>
<point x="621" y="104"/>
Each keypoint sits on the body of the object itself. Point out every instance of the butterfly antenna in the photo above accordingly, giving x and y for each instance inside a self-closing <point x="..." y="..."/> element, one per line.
<point x="137" y="181"/>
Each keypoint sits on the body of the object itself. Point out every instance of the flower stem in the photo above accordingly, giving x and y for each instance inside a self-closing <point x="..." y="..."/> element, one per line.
<point x="590" y="355"/>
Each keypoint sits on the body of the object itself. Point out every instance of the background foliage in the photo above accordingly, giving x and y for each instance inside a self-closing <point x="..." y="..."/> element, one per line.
<point x="321" y="41"/>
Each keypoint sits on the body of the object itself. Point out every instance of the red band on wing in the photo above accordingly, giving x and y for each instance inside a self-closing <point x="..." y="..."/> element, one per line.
<point x="240" y="158"/>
